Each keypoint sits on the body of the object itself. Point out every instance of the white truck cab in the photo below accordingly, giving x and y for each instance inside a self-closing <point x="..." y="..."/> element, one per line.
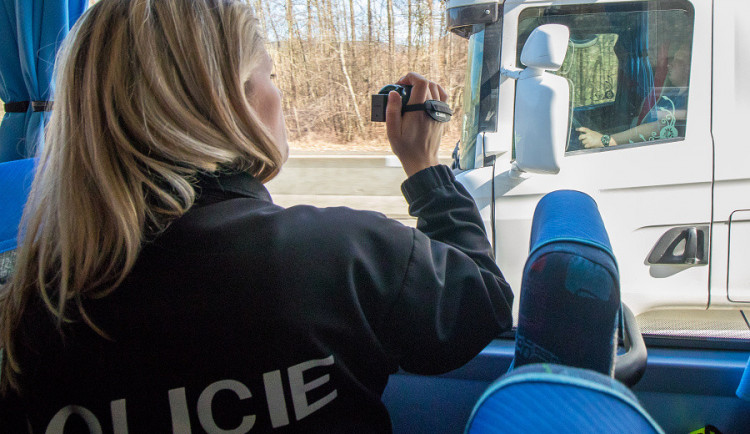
<point x="649" y="123"/>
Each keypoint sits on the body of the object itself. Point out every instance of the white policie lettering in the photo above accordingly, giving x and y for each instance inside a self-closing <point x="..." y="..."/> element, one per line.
<point x="299" y="388"/>
<point x="204" y="407"/>
<point x="179" y="412"/>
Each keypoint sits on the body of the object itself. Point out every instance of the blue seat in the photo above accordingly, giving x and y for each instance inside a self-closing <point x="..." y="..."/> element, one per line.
<point x="549" y="398"/>
<point x="570" y="290"/>
<point x="564" y="364"/>
<point x="15" y="183"/>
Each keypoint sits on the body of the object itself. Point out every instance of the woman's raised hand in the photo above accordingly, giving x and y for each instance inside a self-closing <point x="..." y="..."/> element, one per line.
<point x="414" y="137"/>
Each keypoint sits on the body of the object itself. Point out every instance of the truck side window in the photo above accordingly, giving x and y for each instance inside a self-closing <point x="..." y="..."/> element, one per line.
<point x="628" y="65"/>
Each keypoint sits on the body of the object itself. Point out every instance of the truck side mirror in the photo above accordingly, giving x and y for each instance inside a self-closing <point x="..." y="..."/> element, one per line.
<point x="542" y="101"/>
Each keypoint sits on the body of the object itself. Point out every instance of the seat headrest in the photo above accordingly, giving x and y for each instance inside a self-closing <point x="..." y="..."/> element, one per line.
<point x="568" y="216"/>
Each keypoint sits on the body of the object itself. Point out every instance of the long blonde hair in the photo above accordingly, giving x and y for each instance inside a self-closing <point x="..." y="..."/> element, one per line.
<point x="148" y="94"/>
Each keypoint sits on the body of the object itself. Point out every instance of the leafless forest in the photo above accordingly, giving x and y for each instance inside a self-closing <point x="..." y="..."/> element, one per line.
<point x="331" y="55"/>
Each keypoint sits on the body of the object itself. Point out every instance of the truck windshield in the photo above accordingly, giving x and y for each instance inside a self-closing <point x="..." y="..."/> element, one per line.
<point x="471" y="100"/>
<point x="480" y="90"/>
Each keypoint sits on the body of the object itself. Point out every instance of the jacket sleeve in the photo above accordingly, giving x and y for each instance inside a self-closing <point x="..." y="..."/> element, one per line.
<point x="454" y="299"/>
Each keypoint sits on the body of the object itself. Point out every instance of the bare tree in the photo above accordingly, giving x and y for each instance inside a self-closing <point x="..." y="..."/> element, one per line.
<point x="310" y="34"/>
<point x="350" y="88"/>
<point x="391" y="38"/>
<point x="369" y="21"/>
<point x="291" y="25"/>
<point x="409" y="19"/>
<point x="431" y="39"/>
<point x="261" y="15"/>
<point x="327" y="75"/>
<point x="353" y="23"/>
<point x="369" y="38"/>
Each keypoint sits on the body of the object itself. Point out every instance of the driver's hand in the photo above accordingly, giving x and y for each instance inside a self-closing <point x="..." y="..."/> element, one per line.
<point x="590" y="138"/>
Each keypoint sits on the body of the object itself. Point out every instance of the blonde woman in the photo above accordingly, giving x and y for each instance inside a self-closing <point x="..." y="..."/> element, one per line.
<point x="159" y="289"/>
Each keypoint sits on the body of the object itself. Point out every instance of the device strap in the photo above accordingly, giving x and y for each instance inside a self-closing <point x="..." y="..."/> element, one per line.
<point x="437" y="110"/>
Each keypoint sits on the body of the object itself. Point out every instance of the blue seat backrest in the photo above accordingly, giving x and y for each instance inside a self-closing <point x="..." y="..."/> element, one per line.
<point x="570" y="292"/>
<point x="562" y="379"/>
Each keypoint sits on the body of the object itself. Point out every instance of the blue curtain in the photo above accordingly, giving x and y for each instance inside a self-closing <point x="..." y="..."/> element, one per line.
<point x="637" y="75"/>
<point x="32" y="33"/>
<point x="639" y="66"/>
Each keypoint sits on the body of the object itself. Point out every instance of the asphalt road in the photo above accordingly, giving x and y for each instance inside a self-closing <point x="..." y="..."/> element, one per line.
<point x="359" y="181"/>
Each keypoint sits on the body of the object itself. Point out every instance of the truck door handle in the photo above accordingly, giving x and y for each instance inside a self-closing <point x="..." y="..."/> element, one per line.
<point x="687" y="245"/>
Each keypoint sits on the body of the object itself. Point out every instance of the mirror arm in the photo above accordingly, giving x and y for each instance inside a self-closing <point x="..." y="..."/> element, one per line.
<point x="514" y="73"/>
<point x="516" y="172"/>
<point x="517" y="74"/>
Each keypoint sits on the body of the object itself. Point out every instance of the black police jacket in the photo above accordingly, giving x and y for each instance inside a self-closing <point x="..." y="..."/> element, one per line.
<point x="247" y="317"/>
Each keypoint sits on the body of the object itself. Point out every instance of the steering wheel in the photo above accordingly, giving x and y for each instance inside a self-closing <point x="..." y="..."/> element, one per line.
<point x="630" y="366"/>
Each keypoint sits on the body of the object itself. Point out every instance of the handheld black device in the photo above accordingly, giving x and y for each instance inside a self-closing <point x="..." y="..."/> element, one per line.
<point x="437" y="110"/>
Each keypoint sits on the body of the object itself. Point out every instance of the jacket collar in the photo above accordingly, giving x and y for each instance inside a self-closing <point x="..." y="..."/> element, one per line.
<point x="214" y="187"/>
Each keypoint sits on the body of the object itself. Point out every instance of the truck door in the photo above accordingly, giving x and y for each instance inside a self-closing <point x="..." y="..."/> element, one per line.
<point x="730" y="277"/>
<point x="639" y="141"/>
